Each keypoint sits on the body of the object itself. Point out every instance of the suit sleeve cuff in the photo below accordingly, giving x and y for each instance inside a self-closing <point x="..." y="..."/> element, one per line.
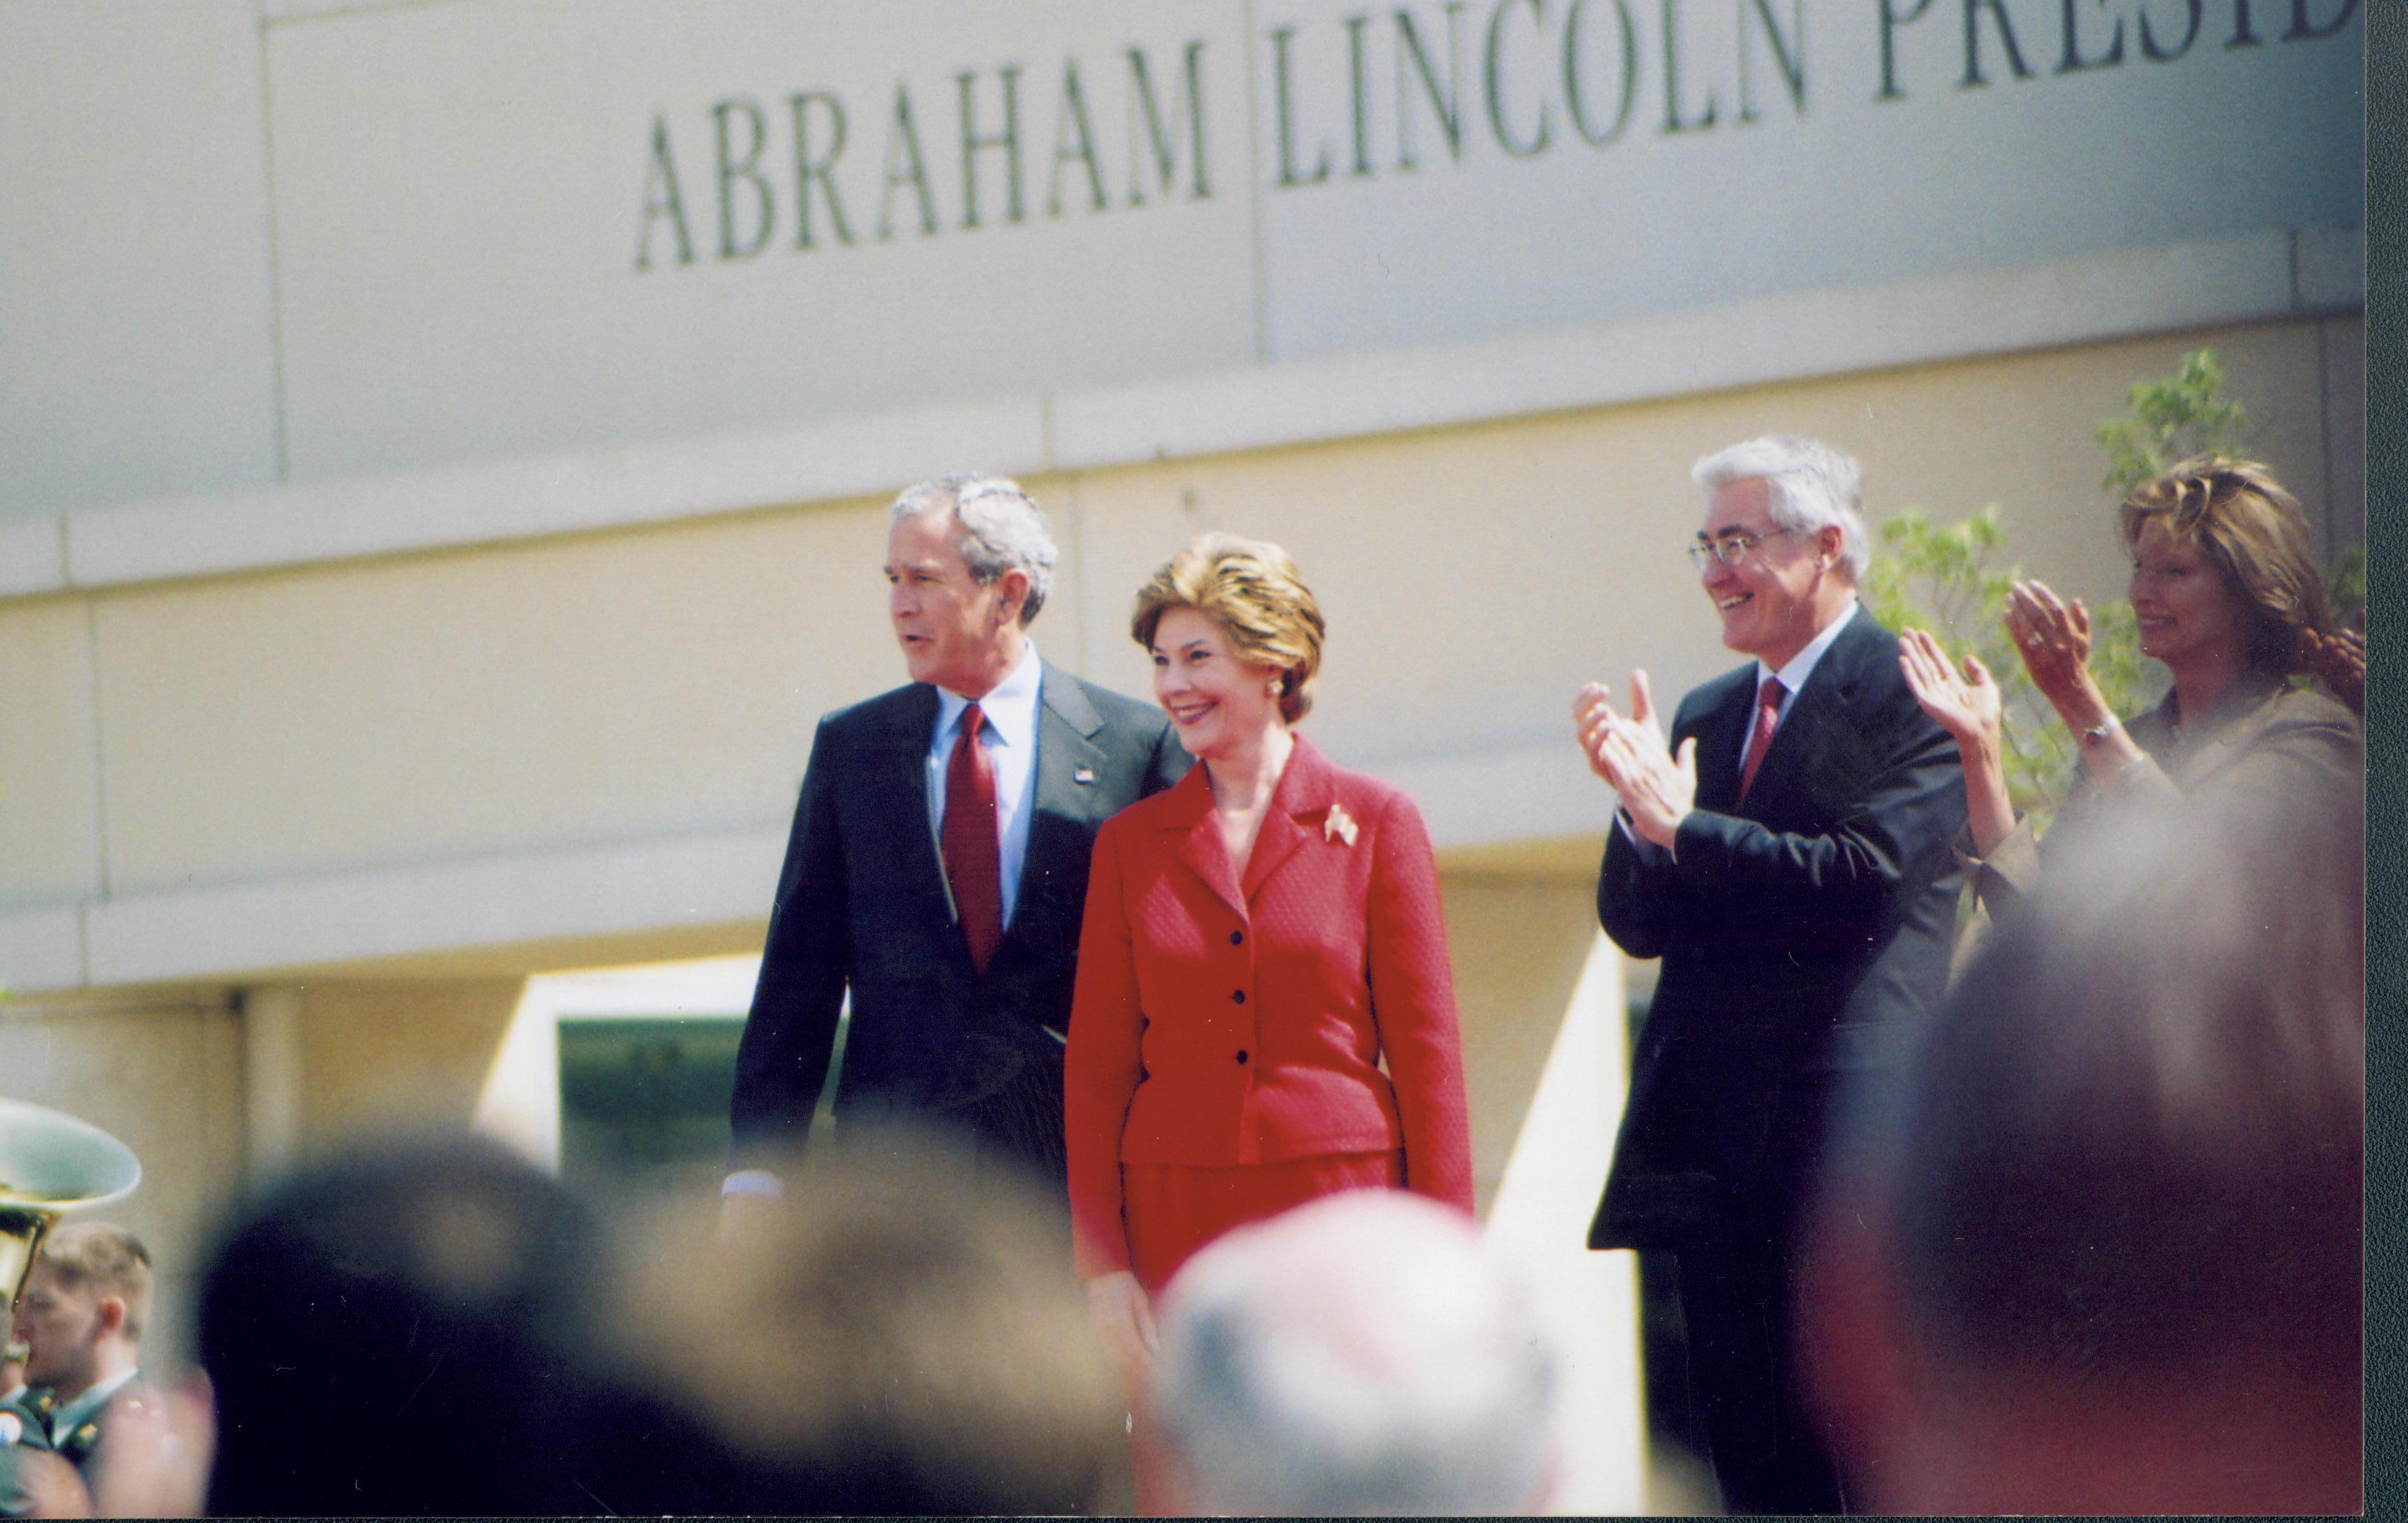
<point x="753" y="1182"/>
<point x="1649" y="852"/>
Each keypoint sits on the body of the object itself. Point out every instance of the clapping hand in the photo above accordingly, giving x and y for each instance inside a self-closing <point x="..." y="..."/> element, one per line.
<point x="1657" y="789"/>
<point x="2053" y="636"/>
<point x="1968" y="707"/>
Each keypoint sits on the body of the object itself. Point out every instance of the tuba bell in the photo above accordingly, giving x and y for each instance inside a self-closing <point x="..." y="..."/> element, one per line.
<point x="49" y="1163"/>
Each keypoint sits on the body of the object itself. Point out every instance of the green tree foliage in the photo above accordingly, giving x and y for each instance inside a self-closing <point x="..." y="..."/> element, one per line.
<point x="1946" y="580"/>
<point x="2345" y="588"/>
<point x="2170" y="420"/>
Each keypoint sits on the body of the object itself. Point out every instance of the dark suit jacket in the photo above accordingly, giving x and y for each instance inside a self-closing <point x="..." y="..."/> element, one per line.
<point x="862" y="904"/>
<point x="1802" y="933"/>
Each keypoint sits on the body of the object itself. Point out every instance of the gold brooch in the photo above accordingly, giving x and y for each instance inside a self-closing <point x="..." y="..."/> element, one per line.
<point x="1338" y="822"/>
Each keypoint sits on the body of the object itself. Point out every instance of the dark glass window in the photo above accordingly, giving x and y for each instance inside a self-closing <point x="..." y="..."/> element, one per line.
<point x="643" y="1102"/>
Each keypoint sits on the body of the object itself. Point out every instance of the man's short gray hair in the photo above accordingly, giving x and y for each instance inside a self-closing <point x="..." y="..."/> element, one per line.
<point x="1360" y="1354"/>
<point x="1812" y="484"/>
<point x="997" y="527"/>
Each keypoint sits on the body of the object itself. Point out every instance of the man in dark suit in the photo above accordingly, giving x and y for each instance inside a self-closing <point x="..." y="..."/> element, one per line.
<point x="937" y="869"/>
<point x="1790" y="863"/>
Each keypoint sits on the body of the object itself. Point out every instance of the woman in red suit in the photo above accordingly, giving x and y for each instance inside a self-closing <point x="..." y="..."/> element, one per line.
<point x="1258" y="939"/>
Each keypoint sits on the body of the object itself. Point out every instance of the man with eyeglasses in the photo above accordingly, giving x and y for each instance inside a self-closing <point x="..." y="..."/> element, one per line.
<point x="1788" y="854"/>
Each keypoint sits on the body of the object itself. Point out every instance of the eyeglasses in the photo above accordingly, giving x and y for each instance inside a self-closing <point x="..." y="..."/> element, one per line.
<point x="1729" y="549"/>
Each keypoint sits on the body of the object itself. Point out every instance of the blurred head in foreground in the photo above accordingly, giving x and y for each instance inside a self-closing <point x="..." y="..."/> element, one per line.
<point x="86" y="1300"/>
<point x="901" y="1332"/>
<point x="1360" y="1354"/>
<point x="2103" y="1256"/>
<point x="401" y="1330"/>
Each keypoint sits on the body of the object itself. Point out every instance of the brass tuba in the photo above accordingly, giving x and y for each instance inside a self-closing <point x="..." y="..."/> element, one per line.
<point x="49" y="1164"/>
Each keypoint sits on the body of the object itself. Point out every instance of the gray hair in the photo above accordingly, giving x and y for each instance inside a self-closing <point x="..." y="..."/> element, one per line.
<point x="1811" y="485"/>
<point x="1357" y="1355"/>
<point x="997" y="527"/>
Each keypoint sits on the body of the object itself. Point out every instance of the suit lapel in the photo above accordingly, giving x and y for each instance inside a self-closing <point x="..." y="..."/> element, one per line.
<point x="1722" y="740"/>
<point x="1064" y="809"/>
<point x="1818" y="716"/>
<point x="901" y="789"/>
<point x="1198" y="835"/>
<point x="1305" y="791"/>
<point x="1303" y="797"/>
<point x="1067" y="725"/>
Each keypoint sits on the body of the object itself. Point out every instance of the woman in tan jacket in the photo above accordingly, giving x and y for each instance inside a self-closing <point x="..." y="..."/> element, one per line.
<point x="2227" y="595"/>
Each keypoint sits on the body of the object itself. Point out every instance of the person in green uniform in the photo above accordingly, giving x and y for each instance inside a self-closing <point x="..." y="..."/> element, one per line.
<point x="82" y="1315"/>
<point x="24" y="1427"/>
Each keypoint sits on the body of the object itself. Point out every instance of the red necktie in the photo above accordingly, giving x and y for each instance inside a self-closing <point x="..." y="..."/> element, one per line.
<point x="973" y="859"/>
<point x="1759" y="740"/>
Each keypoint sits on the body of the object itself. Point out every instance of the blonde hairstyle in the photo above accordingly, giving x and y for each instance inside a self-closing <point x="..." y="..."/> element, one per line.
<point x="2255" y="535"/>
<point x="1251" y="589"/>
<point x="103" y="1258"/>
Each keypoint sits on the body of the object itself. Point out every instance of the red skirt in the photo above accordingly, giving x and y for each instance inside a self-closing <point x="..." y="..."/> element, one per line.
<point x="1172" y="1209"/>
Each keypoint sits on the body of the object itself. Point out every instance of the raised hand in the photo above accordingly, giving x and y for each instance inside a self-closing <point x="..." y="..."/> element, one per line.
<point x="1969" y="707"/>
<point x="1657" y="789"/>
<point x="1592" y="713"/>
<point x="2053" y="637"/>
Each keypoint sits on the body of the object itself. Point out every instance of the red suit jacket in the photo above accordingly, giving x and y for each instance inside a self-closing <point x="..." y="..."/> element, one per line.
<point x="1218" y="1022"/>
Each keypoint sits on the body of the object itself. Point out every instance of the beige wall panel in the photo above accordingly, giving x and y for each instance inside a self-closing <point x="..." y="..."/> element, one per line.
<point x="49" y="792"/>
<point x="1471" y="579"/>
<point x="461" y="192"/>
<point x="398" y="1056"/>
<point x="666" y="680"/>
<point x="612" y="686"/>
<point x="2021" y="431"/>
<point x="2345" y="517"/>
<point x="167" y="1081"/>
<point x="1474" y="578"/>
<point x="135" y="354"/>
<point x="1518" y="946"/>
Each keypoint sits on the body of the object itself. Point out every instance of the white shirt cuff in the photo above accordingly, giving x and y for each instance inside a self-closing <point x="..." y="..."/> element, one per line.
<point x="753" y="1182"/>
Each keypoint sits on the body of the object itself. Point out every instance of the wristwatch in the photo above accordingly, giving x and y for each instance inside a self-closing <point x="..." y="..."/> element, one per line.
<point x="2100" y="731"/>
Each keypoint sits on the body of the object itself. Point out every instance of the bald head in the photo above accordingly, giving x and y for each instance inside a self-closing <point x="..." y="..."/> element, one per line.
<point x="1359" y="1355"/>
